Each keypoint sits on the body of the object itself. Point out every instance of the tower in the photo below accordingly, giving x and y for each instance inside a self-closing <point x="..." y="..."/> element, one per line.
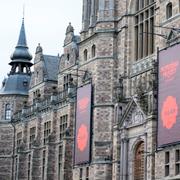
<point x="13" y="95"/>
<point x="16" y="85"/>
<point x="97" y="55"/>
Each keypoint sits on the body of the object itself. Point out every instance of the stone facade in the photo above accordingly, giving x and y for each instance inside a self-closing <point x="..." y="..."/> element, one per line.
<point x="117" y="52"/>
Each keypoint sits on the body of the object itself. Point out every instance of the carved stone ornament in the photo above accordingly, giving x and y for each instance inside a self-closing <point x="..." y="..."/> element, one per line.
<point x="69" y="28"/>
<point x="39" y="49"/>
<point x="136" y="118"/>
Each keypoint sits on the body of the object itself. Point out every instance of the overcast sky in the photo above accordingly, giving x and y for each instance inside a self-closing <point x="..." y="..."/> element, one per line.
<point x="45" y="23"/>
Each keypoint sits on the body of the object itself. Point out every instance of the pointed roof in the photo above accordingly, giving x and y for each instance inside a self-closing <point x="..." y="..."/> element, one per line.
<point x="18" y="81"/>
<point x="22" y="36"/>
<point x="21" y="53"/>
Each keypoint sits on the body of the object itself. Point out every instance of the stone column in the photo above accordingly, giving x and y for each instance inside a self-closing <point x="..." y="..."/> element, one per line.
<point x="92" y="18"/>
<point x="125" y="159"/>
<point x="121" y="160"/>
<point x="85" y="15"/>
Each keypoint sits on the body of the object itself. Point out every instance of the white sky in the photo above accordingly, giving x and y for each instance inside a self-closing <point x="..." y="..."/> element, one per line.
<point x="45" y="23"/>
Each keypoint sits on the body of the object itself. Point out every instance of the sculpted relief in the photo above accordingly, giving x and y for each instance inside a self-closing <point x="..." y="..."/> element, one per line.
<point x="136" y="118"/>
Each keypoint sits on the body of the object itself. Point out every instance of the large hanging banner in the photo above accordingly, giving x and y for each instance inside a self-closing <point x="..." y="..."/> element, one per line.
<point x="83" y="125"/>
<point x="169" y="96"/>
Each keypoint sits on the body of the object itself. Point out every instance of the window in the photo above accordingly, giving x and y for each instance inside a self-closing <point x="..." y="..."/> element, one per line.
<point x="63" y="126"/>
<point x="43" y="164"/>
<point x="19" y="140"/>
<point x="177" y="161"/>
<point x="29" y="166"/>
<point x="166" y="163"/>
<point x="60" y="161"/>
<point x="66" y="81"/>
<point x="32" y="136"/>
<point x="169" y="10"/>
<point x="81" y="174"/>
<point x="47" y="131"/>
<point x="93" y="51"/>
<point x="87" y="173"/>
<point x="36" y="94"/>
<point x="85" y="54"/>
<point x="144" y="23"/>
<point x="139" y="162"/>
<point x="8" y="112"/>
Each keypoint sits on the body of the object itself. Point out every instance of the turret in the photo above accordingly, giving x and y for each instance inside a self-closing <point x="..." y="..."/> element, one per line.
<point x="18" y="79"/>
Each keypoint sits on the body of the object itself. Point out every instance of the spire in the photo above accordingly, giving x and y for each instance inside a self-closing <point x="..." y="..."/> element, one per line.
<point x="22" y="36"/>
<point x="19" y="77"/>
<point x="21" y="51"/>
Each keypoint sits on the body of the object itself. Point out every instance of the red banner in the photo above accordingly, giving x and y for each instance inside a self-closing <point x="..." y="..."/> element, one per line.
<point x="169" y="96"/>
<point x="83" y="124"/>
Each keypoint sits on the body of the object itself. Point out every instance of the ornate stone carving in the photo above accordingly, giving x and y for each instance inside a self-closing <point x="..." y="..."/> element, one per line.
<point x="39" y="49"/>
<point x="137" y="117"/>
<point x="69" y="29"/>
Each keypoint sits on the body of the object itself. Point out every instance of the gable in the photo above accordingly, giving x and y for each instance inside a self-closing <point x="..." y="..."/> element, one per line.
<point x="133" y="115"/>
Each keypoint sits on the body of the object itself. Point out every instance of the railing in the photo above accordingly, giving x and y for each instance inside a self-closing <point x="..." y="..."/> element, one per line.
<point x="41" y="105"/>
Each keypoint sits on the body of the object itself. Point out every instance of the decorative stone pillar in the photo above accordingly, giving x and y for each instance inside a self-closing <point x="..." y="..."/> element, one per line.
<point x="92" y="16"/>
<point x="85" y="15"/>
<point x="125" y="159"/>
<point x="121" y="160"/>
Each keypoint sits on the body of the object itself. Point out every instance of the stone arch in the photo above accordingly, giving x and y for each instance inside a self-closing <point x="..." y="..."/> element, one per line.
<point x="169" y="10"/>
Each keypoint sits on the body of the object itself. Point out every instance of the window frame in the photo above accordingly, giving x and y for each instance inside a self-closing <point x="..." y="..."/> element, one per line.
<point x="144" y="29"/>
<point x="8" y="111"/>
<point x="167" y="164"/>
<point x="169" y="10"/>
<point x="85" y="55"/>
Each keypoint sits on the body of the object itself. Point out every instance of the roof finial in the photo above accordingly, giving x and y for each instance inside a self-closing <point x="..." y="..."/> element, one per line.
<point x="23" y="10"/>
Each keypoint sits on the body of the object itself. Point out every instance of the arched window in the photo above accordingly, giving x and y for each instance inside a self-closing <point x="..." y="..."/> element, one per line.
<point x="144" y="22"/>
<point x="8" y="112"/>
<point x="169" y="10"/>
<point x="85" y="54"/>
<point x="139" y="162"/>
<point x="93" y="51"/>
